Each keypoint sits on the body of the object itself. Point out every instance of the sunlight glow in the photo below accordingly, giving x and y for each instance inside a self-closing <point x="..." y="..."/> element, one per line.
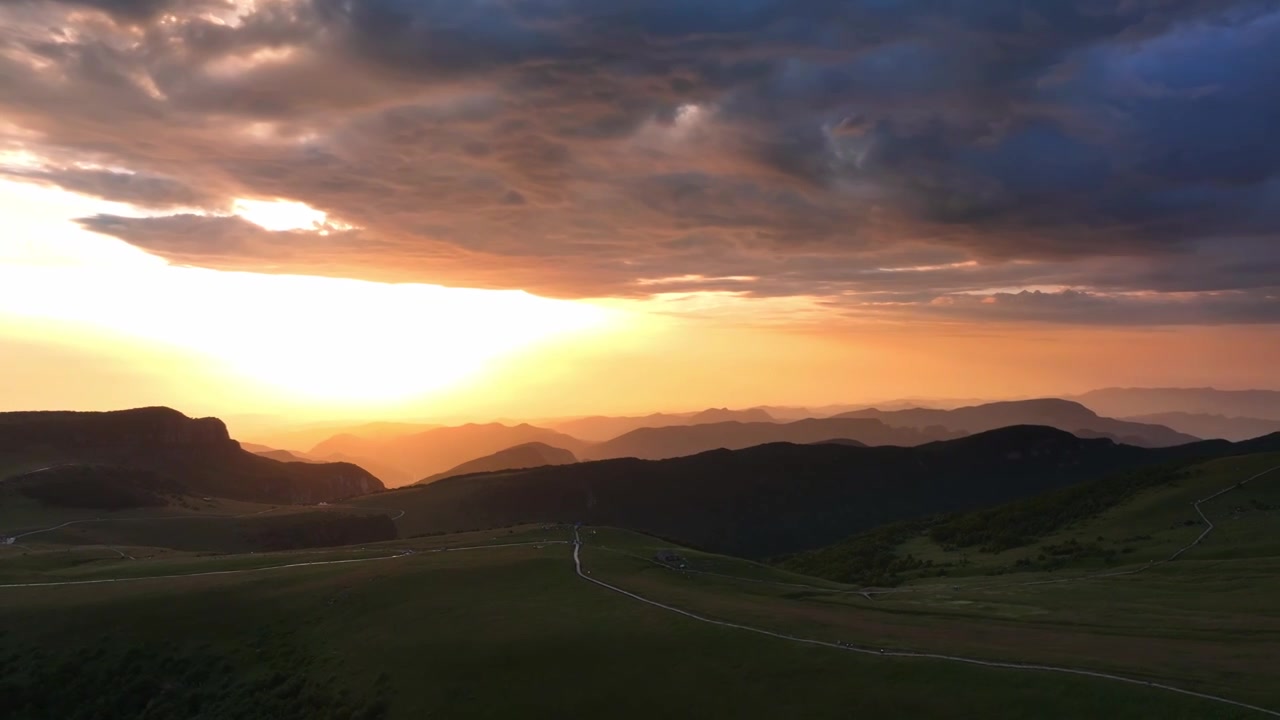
<point x="307" y="339"/>
<point x="279" y="215"/>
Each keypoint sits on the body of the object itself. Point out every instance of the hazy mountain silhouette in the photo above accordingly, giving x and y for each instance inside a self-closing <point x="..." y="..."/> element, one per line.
<point x="390" y="475"/>
<point x="167" y="448"/>
<point x="274" y="454"/>
<point x="527" y="455"/>
<point x="780" y="497"/>
<point x="1050" y="412"/>
<point x="422" y="454"/>
<point x="308" y="435"/>
<point x="599" y="427"/>
<point x="1212" y="426"/>
<point x="676" y="441"/>
<point x="1129" y="402"/>
<point x="719" y="415"/>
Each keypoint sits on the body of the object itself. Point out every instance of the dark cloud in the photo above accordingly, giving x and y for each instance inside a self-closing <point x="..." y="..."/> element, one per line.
<point x="871" y="152"/>
<point x="145" y="190"/>
<point x="1083" y="308"/>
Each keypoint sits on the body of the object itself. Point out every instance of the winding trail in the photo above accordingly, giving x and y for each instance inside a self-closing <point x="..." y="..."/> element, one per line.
<point x="187" y="517"/>
<point x="577" y="562"/>
<point x="1152" y="563"/>
<point x="402" y="553"/>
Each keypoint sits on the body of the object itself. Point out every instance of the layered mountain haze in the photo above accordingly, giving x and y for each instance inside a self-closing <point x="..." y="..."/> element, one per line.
<point x="528" y="455"/>
<point x="195" y="456"/>
<point x="1131" y="402"/>
<point x="676" y="441"/>
<point x="422" y="454"/>
<point x="601" y="428"/>
<point x="780" y="498"/>
<point x="1212" y="426"/>
<point x="1051" y="412"/>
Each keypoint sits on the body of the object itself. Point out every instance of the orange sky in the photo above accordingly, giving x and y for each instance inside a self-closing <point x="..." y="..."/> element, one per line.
<point x="86" y="322"/>
<point x="525" y="209"/>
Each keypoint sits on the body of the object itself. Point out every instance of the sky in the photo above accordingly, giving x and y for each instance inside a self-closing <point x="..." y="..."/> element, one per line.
<point x="531" y="208"/>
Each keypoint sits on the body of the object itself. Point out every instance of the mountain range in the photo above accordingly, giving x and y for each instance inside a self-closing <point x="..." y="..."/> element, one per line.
<point x="519" y="457"/>
<point x="1212" y="426"/>
<point x="780" y="498"/>
<point x="676" y="441"/>
<point x="1131" y="402"/>
<point x="160" y="447"/>
<point x="422" y="454"/>
<point x="600" y="428"/>
<point x="1051" y="412"/>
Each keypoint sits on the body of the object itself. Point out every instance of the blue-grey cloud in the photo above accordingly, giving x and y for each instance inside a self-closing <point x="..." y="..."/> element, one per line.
<point x="1112" y="147"/>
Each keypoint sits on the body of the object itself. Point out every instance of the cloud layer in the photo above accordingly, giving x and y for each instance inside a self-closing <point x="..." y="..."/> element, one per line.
<point x="1083" y="161"/>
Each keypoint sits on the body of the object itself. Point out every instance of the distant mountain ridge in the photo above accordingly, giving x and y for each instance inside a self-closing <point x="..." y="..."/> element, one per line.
<point x="781" y="498"/>
<point x="1212" y="426"/>
<point x="196" y="455"/>
<point x="519" y="457"/>
<point x="422" y="454"/>
<point x="1050" y="412"/>
<point x="1129" y="402"/>
<point x="680" y="440"/>
<point x="599" y="428"/>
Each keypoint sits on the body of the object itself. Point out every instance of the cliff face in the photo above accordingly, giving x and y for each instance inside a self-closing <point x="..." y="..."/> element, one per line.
<point x="153" y="428"/>
<point x="197" y="454"/>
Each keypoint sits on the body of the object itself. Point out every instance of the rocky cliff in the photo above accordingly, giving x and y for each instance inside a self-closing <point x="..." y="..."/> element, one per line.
<point x="196" y="454"/>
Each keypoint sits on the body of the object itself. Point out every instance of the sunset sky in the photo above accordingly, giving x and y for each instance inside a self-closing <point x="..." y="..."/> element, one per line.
<point x="532" y="208"/>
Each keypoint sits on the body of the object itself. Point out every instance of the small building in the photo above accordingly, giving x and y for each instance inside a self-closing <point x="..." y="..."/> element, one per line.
<point x="670" y="557"/>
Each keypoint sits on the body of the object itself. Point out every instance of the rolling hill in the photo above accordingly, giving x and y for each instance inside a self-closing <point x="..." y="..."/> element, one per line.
<point x="527" y="455"/>
<point x="509" y="629"/>
<point x="1141" y="516"/>
<point x="152" y="447"/>
<point x="779" y="498"/>
<point x="599" y="428"/>
<point x="677" y="441"/>
<point x="1050" y="412"/>
<point x="422" y="454"/>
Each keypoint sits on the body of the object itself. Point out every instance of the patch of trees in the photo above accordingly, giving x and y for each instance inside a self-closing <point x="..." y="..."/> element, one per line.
<point x="874" y="557"/>
<point x="868" y="559"/>
<point x="316" y="529"/>
<point x="1021" y="523"/>
<point x="99" y="487"/>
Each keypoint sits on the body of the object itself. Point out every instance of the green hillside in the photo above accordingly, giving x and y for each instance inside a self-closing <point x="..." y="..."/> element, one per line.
<point x="1100" y="526"/>
<point x="497" y="630"/>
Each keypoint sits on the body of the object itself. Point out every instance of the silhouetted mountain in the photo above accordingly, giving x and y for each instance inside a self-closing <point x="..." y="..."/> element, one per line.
<point x="1212" y="426"/>
<point x="668" y="442"/>
<point x="1050" y="412"/>
<point x="780" y="497"/>
<point x="528" y="455"/>
<point x="432" y="451"/>
<point x="1128" y="402"/>
<point x="308" y="435"/>
<point x="390" y="475"/>
<point x="283" y="456"/>
<point x="168" y="449"/>
<point x="877" y="556"/>
<point x="720" y="415"/>
<point x="599" y="428"/>
<point x="273" y="453"/>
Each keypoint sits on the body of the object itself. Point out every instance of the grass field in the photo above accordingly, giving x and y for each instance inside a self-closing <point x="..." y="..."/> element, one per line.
<point x="511" y="629"/>
<point x="496" y="622"/>
<point x="1145" y="527"/>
